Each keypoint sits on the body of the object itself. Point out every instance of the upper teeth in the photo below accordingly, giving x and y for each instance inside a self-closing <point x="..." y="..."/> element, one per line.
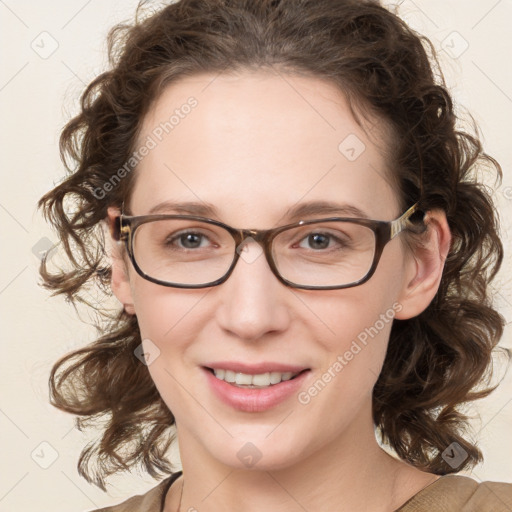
<point x="261" y="379"/>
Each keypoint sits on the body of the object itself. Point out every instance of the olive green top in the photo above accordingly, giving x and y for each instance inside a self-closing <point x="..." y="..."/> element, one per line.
<point x="447" y="494"/>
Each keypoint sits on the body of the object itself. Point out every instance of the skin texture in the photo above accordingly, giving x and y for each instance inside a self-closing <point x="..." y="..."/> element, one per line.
<point x="256" y="144"/>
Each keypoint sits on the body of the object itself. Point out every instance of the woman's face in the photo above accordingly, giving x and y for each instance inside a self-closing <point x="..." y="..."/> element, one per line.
<point x="254" y="146"/>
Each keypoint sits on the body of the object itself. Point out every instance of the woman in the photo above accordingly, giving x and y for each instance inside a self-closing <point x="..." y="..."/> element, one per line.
<point x="302" y="253"/>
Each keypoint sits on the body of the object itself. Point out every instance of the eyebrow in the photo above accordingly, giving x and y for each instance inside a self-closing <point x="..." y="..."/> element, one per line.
<point x="294" y="213"/>
<point x="310" y="209"/>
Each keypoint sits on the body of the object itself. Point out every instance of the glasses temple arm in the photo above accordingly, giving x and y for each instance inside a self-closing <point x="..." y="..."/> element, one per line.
<point x="403" y="222"/>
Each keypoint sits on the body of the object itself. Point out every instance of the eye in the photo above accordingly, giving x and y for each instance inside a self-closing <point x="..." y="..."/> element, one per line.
<point x="318" y="240"/>
<point x="187" y="240"/>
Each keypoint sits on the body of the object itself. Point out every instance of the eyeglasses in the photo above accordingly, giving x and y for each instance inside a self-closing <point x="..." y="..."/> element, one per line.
<point x="187" y="251"/>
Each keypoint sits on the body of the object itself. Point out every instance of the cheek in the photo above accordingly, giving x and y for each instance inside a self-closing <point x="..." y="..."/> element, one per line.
<point x="360" y="335"/>
<point x="164" y="313"/>
<point x="360" y="314"/>
<point x="356" y="324"/>
<point x="352" y="359"/>
<point x="169" y="324"/>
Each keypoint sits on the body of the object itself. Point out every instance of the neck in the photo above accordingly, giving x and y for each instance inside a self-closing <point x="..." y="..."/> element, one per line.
<point x="351" y="473"/>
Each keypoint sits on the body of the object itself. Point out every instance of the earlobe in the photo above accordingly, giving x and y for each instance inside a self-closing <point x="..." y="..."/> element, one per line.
<point x="426" y="265"/>
<point x="120" y="281"/>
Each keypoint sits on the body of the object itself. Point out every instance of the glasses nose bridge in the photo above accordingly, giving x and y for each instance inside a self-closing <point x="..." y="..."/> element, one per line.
<point x="260" y="236"/>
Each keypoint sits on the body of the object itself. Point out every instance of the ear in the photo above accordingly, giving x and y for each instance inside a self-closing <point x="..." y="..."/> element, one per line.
<point x="120" y="281"/>
<point x="425" y="266"/>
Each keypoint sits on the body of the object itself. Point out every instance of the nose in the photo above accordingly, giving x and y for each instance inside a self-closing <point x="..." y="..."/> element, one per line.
<point x="253" y="302"/>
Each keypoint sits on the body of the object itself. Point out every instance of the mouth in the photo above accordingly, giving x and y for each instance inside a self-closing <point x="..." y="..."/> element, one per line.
<point x="253" y="381"/>
<point x="254" y="388"/>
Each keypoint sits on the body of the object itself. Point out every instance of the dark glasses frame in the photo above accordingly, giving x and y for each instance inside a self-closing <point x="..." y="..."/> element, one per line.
<point x="123" y="228"/>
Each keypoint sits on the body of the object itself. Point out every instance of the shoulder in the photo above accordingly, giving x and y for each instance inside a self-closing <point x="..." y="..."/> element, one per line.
<point x="451" y="493"/>
<point x="151" y="501"/>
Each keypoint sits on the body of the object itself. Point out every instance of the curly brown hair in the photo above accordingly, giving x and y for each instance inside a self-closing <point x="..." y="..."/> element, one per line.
<point x="435" y="362"/>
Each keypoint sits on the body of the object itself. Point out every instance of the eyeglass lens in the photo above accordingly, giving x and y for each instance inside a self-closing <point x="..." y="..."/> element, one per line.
<point x="190" y="252"/>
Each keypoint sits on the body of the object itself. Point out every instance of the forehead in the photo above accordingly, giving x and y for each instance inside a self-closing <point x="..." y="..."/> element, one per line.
<point x="255" y="143"/>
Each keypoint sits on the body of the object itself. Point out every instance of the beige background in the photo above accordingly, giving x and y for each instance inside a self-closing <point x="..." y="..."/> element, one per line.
<point x="38" y="91"/>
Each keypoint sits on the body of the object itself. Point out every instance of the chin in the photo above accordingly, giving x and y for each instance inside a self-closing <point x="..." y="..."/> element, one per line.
<point x="259" y="452"/>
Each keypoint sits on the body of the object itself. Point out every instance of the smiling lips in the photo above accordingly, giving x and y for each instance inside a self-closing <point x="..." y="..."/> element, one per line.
<point x="255" y="375"/>
<point x="259" y="380"/>
<point x="254" y="388"/>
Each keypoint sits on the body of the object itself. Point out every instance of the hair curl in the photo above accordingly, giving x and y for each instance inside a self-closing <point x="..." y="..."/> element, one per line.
<point x="435" y="362"/>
